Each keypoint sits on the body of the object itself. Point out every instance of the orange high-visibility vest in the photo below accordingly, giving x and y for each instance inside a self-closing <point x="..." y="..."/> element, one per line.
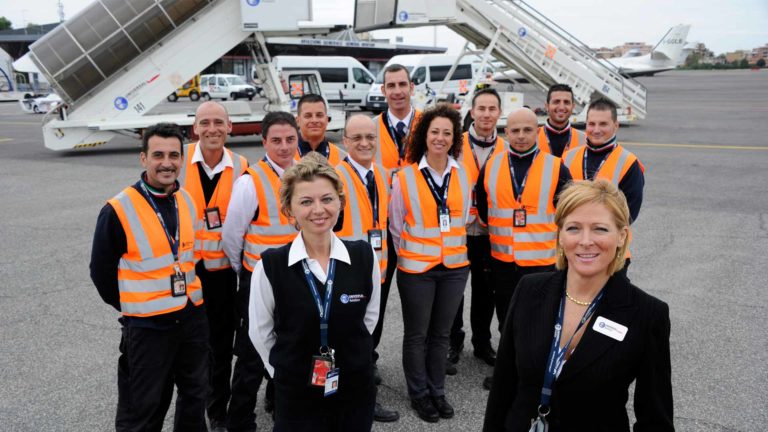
<point x="145" y="269"/>
<point x="271" y="228"/>
<point x="534" y="244"/>
<point x="422" y="245"/>
<point x="212" y="250"/>
<point x="335" y="154"/>
<point x="387" y="154"/>
<point x="614" y="169"/>
<point x="470" y="163"/>
<point x="358" y="212"/>
<point x="577" y="140"/>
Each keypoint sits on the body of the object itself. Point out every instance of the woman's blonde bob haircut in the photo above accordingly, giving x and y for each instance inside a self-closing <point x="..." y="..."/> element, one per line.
<point x="599" y="191"/>
<point x="309" y="168"/>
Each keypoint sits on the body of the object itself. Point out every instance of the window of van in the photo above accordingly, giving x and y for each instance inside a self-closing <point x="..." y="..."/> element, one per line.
<point x="333" y="75"/>
<point x="438" y="73"/>
<point x="420" y="75"/>
<point x="235" y="80"/>
<point x="360" y="76"/>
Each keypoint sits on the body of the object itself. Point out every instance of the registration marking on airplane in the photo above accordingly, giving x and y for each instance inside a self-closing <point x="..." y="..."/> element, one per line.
<point x="695" y="146"/>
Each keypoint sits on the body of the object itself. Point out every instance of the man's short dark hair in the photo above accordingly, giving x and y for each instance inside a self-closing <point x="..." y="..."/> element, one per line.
<point x="394" y="67"/>
<point x="310" y="98"/>
<point x="603" y="104"/>
<point x="163" y="130"/>
<point x="277" y="118"/>
<point x="559" y="88"/>
<point x="486" y="91"/>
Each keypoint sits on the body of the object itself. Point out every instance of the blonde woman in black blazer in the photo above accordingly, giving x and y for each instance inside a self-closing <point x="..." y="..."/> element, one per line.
<point x="624" y="337"/>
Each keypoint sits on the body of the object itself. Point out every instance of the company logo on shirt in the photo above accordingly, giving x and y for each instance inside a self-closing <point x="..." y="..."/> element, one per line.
<point x="354" y="298"/>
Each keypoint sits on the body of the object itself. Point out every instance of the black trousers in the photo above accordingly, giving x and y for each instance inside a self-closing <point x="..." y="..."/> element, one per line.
<point x="505" y="277"/>
<point x="482" y="302"/>
<point x="219" y="290"/>
<point x="151" y="360"/>
<point x="326" y="414"/>
<point x="249" y="369"/>
<point x="391" y="266"/>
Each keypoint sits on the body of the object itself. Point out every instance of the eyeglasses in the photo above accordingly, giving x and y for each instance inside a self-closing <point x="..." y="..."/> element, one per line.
<point x="359" y="138"/>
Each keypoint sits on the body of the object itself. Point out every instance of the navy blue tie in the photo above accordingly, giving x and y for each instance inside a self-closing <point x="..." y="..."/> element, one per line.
<point x="371" y="186"/>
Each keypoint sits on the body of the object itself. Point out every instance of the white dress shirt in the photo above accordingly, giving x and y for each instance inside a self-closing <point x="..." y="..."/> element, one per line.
<point x="242" y="207"/>
<point x="261" y="304"/>
<point x="363" y="171"/>
<point x="397" y="209"/>
<point x="393" y="120"/>
<point x="226" y="161"/>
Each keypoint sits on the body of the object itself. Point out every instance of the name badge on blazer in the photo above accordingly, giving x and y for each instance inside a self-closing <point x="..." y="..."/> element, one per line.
<point x="609" y="328"/>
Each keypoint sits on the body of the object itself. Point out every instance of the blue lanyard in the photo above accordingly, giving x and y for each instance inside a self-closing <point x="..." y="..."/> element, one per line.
<point x="557" y="354"/>
<point x="439" y="193"/>
<point x="586" y="154"/>
<point x="474" y="156"/>
<point x="393" y="135"/>
<point x="266" y="161"/>
<point x="173" y="241"/>
<point x="323" y="308"/>
<point x="374" y="200"/>
<point x="518" y="189"/>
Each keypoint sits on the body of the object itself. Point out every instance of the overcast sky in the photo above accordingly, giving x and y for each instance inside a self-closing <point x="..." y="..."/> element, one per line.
<point x="722" y="26"/>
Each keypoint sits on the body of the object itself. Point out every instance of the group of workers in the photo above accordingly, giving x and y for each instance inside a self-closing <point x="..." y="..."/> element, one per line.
<point x="286" y="264"/>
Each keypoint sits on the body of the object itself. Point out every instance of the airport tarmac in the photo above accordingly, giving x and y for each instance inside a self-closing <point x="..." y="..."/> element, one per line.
<point x="699" y="244"/>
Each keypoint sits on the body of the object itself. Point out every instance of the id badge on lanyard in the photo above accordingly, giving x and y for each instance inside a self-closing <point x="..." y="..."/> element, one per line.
<point x="375" y="238"/>
<point x="212" y="218"/>
<point x="178" y="282"/>
<point x="324" y="372"/>
<point x="520" y="217"/>
<point x="445" y="220"/>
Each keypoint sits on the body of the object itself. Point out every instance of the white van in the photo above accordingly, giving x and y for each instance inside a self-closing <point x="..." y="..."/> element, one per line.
<point x="427" y="73"/>
<point x="223" y="86"/>
<point x="345" y="80"/>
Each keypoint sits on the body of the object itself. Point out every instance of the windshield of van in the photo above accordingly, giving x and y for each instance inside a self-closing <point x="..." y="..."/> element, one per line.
<point x="235" y="80"/>
<point x="380" y="75"/>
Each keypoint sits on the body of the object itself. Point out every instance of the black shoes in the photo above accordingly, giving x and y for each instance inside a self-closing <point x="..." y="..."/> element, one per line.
<point x="487" y="354"/>
<point x="488" y="382"/>
<point x="454" y="353"/>
<point x="450" y="369"/>
<point x="425" y="409"/>
<point x="444" y="409"/>
<point x="381" y="414"/>
<point x="218" y="426"/>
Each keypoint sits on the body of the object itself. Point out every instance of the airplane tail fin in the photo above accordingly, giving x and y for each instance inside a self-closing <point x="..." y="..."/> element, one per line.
<point x="671" y="45"/>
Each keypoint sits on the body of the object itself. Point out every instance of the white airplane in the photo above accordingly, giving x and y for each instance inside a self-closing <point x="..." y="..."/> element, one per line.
<point x="666" y="55"/>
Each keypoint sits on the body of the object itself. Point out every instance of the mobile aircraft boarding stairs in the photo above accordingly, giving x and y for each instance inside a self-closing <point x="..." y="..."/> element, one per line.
<point x="519" y="36"/>
<point x="117" y="59"/>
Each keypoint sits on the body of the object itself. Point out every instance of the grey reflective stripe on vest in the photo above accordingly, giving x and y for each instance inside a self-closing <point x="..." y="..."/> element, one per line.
<point x="455" y="259"/>
<point x="145" y="249"/>
<point x="413" y="196"/>
<point x="492" y="183"/>
<point x="237" y="167"/>
<point x="148" y="264"/>
<point x="454" y="241"/>
<point x="500" y="231"/>
<point x="379" y="152"/>
<point x="417" y="231"/>
<point x="420" y="248"/>
<point x="411" y="265"/>
<point x="619" y="165"/>
<point x="354" y="206"/>
<point x="271" y="204"/>
<point x="216" y="263"/>
<point x="527" y="237"/>
<point x="187" y="157"/>
<point x="502" y="248"/>
<point x="546" y="182"/>
<point x="212" y="245"/>
<point x="265" y="230"/>
<point x="153" y="305"/>
<point x="464" y="183"/>
<point x="152" y="285"/>
<point x="534" y="254"/>
<point x="572" y="154"/>
<point x="501" y="213"/>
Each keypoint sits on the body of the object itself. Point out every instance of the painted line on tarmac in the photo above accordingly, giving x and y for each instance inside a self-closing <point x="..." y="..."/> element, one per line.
<point x="5" y="139"/>
<point x="695" y="146"/>
<point x="21" y="123"/>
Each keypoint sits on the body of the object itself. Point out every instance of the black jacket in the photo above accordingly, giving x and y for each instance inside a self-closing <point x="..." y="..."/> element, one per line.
<point x="592" y="390"/>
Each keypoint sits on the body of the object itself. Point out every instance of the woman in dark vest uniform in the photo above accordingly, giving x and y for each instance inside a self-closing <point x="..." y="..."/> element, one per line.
<point x="313" y="307"/>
